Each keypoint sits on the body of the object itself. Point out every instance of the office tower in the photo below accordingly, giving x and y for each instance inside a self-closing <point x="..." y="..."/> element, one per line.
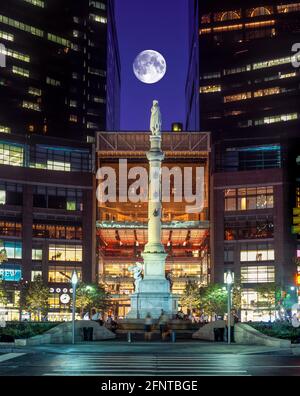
<point x="59" y="56"/>
<point x="248" y="90"/>
<point x="47" y="223"/>
<point x="248" y="81"/>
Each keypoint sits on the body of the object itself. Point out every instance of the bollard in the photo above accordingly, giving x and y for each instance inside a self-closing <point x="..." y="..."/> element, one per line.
<point x="129" y="336"/>
<point x="173" y="335"/>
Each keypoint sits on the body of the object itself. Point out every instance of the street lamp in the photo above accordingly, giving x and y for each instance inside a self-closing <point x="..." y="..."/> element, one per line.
<point x="229" y="282"/>
<point x="74" y="281"/>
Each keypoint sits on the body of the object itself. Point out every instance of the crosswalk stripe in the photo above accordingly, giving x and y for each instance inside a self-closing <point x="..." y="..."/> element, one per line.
<point x="9" y="356"/>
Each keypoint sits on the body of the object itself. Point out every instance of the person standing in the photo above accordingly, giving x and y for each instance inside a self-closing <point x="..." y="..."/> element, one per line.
<point x="148" y="327"/>
<point x="163" y="325"/>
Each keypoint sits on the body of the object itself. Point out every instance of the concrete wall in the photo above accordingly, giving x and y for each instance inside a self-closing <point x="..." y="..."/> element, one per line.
<point x="62" y="334"/>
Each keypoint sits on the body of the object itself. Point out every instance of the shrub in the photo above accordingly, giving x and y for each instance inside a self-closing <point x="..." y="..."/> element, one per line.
<point x="18" y="330"/>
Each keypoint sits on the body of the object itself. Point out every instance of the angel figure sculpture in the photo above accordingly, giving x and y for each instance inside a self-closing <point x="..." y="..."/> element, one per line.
<point x="137" y="270"/>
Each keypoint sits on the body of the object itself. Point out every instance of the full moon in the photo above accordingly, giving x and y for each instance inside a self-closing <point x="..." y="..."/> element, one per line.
<point x="149" y="67"/>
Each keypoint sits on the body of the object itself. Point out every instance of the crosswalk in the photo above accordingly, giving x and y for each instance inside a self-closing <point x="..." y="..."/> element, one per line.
<point x="147" y="365"/>
<point x="8" y="356"/>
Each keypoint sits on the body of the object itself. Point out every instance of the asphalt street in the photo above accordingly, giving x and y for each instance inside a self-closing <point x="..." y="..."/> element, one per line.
<point x="146" y="364"/>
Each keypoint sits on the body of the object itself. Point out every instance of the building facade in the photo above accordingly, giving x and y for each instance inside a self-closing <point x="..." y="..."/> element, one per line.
<point x="122" y="221"/>
<point x="253" y="193"/>
<point x="47" y="217"/>
<point x="247" y="77"/>
<point x="61" y="76"/>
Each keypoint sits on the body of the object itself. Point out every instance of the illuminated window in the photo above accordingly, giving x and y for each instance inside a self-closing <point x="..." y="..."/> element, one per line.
<point x="59" y="40"/>
<point x="71" y="205"/>
<point x="9" y="228"/>
<point x="14" y="54"/>
<point x="31" y="106"/>
<point x="97" y="4"/>
<point x="237" y="97"/>
<point x="237" y="70"/>
<point x="21" y="26"/>
<point x="73" y="118"/>
<point x="277" y="118"/>
<point x="263" y="274"/>
<point x="253" y="252"/>
<point x="210" y="76"/>
<point x="5" y="129"/>
<point x="20" y="71"/>
<point x="266" y="92"/>
<point x="13" y="249"/>
<point x="58" y="166"/>
<point x="6" y="36"/>
<point x="249" y="198"/>
<point x="97" y="72"/>
<point x="260" y="227"/>
<point x="37" y="3"/>
<point x="2" y="197"/>
<point x="260" y="11"/>
<point x="272" y="63"/>
<point x="98" y="18"/>
<point x="210" y="89"/>
<point x="34" y="274"/>
<point x="283" y="9"/>
<point x="62" y="274"/>
<point x="65" y="253"/>
<point x="11" y="154"/>
<point x="34" y="91"/>
<point x="230" y="15"/>
<point x="37" y="254"/>
<point x="52" y="81"/>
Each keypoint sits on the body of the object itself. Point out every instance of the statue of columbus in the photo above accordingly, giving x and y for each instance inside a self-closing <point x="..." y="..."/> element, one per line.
<point x="156" y="120"/>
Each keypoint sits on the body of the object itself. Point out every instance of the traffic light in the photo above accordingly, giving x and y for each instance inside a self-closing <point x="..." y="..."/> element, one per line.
<point x="296" y="221"/>
<point x="298" y="279"/>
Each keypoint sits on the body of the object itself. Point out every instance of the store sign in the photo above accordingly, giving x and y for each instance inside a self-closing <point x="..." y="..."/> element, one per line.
<point x="10" y="273"/>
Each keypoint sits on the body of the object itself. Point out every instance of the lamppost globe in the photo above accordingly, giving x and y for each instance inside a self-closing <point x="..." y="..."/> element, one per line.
<point x="229" y="282"/>
<point x="229" y="278"/>
<point x="292" y="288"/>
<point x="74" y="279"/>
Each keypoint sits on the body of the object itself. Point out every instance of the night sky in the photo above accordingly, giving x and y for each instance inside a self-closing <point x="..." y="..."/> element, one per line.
<point x="160" y="25"/>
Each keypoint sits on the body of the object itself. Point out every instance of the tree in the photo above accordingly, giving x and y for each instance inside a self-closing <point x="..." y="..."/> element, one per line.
<point x="90" y="297"/>
<point x="191" y="296"/>
<point x="3" y="294"/>
<point x="213" y="299"/>
<point x="266" y="298"/>
<point x="36" y="297"/>
<point x="237" y="295"/>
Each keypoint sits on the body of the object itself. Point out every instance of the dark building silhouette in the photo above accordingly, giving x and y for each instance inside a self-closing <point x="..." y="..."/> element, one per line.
<point x="247" y="81"/>
<point x="59" y="59"/>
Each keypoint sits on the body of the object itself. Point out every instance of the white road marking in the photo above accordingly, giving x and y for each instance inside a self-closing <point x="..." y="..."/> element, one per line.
<point x="9" y="356"/>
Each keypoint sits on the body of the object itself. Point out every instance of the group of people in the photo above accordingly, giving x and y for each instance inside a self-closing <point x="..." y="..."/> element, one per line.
<point x="109" y="321"/>
<point x="163" y="324"/>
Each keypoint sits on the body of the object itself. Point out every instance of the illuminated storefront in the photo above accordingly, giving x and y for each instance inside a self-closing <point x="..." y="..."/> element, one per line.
<point x="122" y="226"/>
